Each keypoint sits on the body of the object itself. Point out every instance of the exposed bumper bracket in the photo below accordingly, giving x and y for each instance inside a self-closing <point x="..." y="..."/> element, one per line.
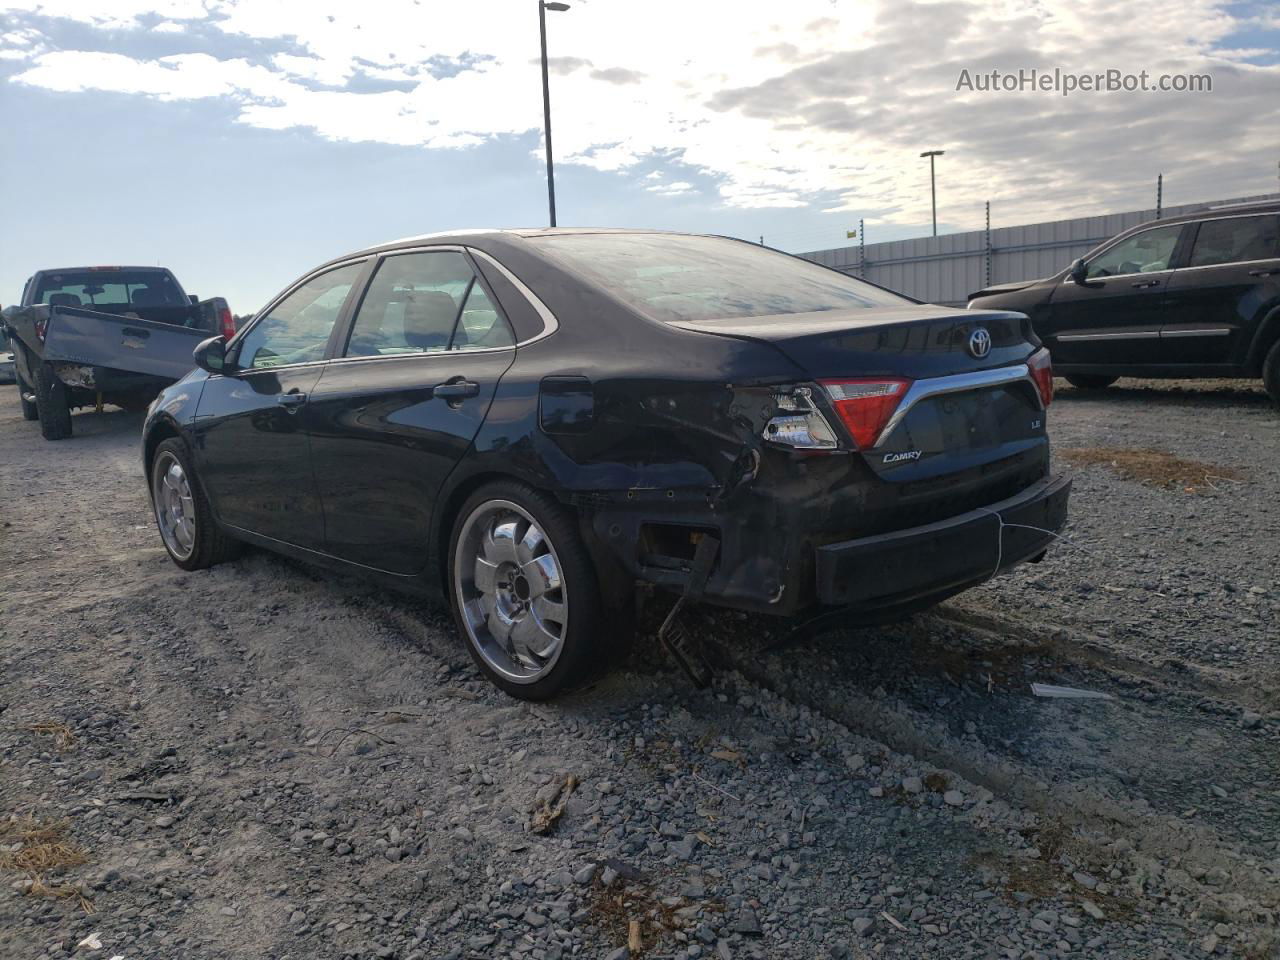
<point x="672" y="635"/>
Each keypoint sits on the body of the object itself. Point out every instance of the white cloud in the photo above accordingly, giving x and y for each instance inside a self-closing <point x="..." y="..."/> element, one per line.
<point x="779" y="104"/>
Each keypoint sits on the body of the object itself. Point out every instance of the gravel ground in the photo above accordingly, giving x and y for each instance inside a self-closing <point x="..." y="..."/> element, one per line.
<point x="265" y="760"/>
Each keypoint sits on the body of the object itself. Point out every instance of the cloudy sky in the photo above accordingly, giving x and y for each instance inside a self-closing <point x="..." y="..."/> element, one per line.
<point x="243" y="141"/>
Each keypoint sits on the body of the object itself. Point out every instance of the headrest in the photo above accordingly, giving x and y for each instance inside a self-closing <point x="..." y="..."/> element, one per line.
<point x="65" y="300"/>
<point x="428" y="319"/>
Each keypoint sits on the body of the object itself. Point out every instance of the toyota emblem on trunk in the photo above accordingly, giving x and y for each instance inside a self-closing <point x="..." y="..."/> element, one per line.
<point x="979" y="343"/>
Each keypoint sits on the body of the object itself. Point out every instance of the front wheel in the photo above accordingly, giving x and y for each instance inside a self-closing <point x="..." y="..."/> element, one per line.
<point x="524" y="591"/>
<point x="52" y="404"/>
<point x="1090" y="381"/>
<point x="190" y="535"/>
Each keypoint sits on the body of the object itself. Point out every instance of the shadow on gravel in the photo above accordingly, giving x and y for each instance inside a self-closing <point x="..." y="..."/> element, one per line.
<point x="1203" y="394"/>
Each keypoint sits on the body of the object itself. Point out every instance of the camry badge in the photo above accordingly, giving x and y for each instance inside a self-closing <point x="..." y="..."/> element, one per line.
<point x="979" y="343"/>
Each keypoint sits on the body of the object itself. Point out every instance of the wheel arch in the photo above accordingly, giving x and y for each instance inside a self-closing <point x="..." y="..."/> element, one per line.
<point x="160" y="431"/>
<point x="1266" y="337"/>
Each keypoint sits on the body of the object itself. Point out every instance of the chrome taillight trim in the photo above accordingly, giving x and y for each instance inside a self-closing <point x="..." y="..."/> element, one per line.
<point x="957" y="383"/>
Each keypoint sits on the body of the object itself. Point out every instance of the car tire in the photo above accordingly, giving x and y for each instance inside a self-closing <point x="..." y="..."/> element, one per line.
<point x="191" y="536"/>
<point x="53" y="406"/>
<point x="524" y="592"/>
<point x="29" y="409"/>
<point x="1271" y="372"/>
<point x="1090" y="381"/>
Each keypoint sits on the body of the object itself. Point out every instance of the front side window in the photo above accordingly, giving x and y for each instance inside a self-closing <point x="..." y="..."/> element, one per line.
<point x="1236" y="240"/>
<point x="678" y="278"/>
<point x="298" y="327"/>
<point x="1146" y="252"/>
<point x="426" y="303"/>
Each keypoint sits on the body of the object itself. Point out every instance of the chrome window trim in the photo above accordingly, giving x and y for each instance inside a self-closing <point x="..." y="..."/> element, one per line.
<point x="1206" y="332"/>
<point x="957" y="383"/>
<point x="1120" y="276"/>
<point x="1229" y="263"/>
<point x="1123" y="335"/>
<point x="240" y="374"/>
<point x="424" y="355"/>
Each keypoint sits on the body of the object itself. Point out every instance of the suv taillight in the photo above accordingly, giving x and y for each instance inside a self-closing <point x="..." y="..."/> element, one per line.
<point x="864" y="406"/>
<point x="1041" y="366"/>
<point x="227" y="322"/>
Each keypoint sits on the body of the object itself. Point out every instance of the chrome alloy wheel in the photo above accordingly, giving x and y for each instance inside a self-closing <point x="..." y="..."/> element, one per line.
<point x="174" y="505"/>
<point x="508" y="584"/>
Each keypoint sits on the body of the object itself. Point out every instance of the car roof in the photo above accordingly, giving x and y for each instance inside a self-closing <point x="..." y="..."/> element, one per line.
<point x="103" y="269"/>
<point x="1225" y="210"/>
<point x="465" y="236"/>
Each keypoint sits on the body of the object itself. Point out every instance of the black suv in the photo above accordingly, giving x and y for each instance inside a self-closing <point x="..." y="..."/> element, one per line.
<point x="1190" y="296"/>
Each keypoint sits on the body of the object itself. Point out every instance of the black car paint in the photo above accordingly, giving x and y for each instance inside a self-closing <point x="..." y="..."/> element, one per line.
<point x="1241" y="299"/>
<point x="639" y="424"/>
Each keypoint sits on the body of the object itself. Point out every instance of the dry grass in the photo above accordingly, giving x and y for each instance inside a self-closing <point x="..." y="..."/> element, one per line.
<point x="616" y="908"/>
<point x="544" y="818"/>
<point x="63" y="737"/>
<point x="42" y="845"/>
<point x="1155" y="468"/>
<point x="63" y="891"/>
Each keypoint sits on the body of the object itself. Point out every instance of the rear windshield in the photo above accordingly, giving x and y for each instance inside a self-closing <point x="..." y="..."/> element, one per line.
<point x="110" y="288"/>
<point x="681" y="279"/>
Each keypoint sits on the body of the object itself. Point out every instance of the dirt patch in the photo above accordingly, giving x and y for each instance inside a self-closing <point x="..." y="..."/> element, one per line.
<point x="1156" y="468"/>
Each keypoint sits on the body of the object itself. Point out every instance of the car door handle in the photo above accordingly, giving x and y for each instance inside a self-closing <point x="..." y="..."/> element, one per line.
<point x="1145" y="283"/>
<point x="291" y="400"/>
<point x="456" y="389"/>
<point x="135" y="332"/>
<point x="1263" y="273"/>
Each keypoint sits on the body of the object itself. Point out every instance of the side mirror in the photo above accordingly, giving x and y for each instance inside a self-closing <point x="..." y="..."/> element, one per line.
<point x="1079" y="272"/>
<point x="193" y="298"/>
<point x="211" y="355"/>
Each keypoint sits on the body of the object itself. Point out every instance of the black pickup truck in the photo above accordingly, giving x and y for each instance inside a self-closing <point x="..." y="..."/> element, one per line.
<point x="84" y="336"/>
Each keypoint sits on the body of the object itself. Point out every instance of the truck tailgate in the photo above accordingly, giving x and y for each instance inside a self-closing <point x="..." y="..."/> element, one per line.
<point x="101" y="339"/>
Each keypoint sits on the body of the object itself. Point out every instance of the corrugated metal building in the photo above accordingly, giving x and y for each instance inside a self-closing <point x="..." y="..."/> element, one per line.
<point x="946" y="269"/>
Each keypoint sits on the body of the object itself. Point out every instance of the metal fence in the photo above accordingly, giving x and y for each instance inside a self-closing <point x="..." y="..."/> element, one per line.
<point x="948" y="268"/>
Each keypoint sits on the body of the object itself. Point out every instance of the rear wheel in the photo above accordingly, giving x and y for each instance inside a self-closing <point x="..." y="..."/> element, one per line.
<point x="1271" y="371"/>
<point x="191" y="536"/>
<point x="52" y="404"/>
<point x="524" y="591"/>
<point x="1090" y="381"/>
<point x="29" y="409"/>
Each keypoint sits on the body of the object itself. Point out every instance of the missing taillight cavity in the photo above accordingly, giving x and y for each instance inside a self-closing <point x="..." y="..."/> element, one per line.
<point x="799" y="424"/>
<point x="864" y="406"/>
<point x="1041" y="366"/>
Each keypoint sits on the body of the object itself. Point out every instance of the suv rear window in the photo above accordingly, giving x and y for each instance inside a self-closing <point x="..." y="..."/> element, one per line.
<point x="1236" y="239"/>
<point x="110" y="288"/>
<point x="677" y="278"/>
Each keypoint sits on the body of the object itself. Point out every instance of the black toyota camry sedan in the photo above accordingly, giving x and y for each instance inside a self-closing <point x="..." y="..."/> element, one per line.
<point x="531" y="425"/>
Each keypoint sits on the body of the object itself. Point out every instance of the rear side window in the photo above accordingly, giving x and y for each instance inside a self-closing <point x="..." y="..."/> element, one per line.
<point x="1236" y="239"/>
<point x="426" y="303"/>
<point x="110" y="288"/>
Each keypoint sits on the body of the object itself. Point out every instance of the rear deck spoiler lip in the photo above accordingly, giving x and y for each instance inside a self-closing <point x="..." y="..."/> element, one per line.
<point x="957" y="383"/>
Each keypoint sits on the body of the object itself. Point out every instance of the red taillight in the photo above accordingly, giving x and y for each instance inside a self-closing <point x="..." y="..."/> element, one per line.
<point x="42" y="327"/>
<point x="1041" y="367"/>
<point x="227" y="322"/>
<point x="865" y="406"/>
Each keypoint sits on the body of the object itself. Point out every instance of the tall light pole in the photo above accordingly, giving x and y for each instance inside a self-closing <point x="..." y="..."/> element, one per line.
<point x="543" y="7"/>
<point x="933" y="185"/>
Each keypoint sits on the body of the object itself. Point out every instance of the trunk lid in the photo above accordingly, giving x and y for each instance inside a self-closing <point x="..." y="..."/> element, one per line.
<point x="911" y="340"/>
<point x="959" y="412"/>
